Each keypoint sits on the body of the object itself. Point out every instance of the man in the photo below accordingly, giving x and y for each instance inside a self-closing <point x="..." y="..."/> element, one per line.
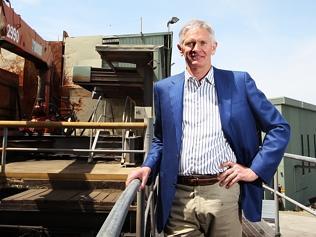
<point x="206" y="146"/>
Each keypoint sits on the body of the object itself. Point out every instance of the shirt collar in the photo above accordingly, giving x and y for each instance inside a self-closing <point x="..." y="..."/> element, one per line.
<point x="208" y="78"/>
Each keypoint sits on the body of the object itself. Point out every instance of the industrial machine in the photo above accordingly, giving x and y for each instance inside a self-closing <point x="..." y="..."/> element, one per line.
<point x="39" y="81"/>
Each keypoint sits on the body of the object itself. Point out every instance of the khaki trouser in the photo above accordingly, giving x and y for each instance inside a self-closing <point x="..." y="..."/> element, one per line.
<point x="210" y="210"/>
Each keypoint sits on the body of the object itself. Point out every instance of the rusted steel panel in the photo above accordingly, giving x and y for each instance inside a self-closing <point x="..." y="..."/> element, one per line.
<point x="28" y="89"/>
<point x="18" y="37"/>
<point x="8" y="95"/>
<point x="56" y="72"/>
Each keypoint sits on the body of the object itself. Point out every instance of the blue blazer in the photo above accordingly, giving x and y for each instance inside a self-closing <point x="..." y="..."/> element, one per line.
<point x="245" y="112"/>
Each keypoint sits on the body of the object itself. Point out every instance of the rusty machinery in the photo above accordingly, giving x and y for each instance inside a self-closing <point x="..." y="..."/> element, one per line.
<point x="18" y="37"/>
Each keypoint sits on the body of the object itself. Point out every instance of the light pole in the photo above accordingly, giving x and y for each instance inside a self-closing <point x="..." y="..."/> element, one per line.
<point x="173" y="20"/>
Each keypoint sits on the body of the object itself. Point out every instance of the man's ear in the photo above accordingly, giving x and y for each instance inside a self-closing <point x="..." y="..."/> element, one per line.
<point x="180" y="49"/>
<point x="214" y="47"/>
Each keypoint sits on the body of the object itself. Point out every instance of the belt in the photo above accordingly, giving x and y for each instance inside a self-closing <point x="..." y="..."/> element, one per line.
<point x="198" y="180"/>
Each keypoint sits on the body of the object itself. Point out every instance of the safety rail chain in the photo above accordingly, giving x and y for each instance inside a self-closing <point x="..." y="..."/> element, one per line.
<point x="114" y="222"/>
<point x="5" y="125"/>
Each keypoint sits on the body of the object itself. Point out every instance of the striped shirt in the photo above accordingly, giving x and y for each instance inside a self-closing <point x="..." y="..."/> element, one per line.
<point x="204" y="147"/>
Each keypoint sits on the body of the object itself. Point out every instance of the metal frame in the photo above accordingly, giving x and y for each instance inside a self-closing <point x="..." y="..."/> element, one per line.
<point x="115" y="220"/>
<point x="89" y="125"/>
<point x="113" y="224"/>
<point x="276" y="193"/>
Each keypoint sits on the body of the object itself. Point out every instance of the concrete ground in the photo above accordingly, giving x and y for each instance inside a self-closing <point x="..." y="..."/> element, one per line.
<point x="294" y="224"/>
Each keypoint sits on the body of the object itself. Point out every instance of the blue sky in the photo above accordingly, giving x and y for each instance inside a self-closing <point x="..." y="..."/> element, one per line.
<point x="274" y="40"/>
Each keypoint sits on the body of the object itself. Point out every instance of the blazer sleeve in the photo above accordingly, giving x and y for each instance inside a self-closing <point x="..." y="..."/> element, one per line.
<point x="276" y="129"/>
<point x="153" y="158"/>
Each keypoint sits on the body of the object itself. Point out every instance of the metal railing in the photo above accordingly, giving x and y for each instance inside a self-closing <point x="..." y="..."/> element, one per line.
<point x="277" y="193"/>
<point x="83" y="125"/>
<point x="106" y="229"/>
<point x="114" y="222"/>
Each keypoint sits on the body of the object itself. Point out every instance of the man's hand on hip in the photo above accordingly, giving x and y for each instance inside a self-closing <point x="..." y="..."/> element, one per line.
<point x="235" y="173"/>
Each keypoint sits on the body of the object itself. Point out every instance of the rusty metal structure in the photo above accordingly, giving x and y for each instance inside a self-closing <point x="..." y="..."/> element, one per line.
<point x="42" y="66"/>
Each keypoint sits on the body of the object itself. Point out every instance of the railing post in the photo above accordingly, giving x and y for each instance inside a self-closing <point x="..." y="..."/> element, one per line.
<point x="140" y="228"/>
<point x="152" y="212"/>
<point x="148" y="135"/>
<point x="276" y="200"/>
<point x="140" y="220"/>
<point x="4" y="152"/>
<point x="147" y="146"/>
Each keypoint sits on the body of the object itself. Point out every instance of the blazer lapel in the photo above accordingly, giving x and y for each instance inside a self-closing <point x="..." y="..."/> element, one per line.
<point x="224" y="95"/>
<point x="176" y="101"/>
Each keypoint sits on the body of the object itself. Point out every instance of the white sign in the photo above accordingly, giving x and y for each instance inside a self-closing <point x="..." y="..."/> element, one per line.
<point x="37" y="48"/>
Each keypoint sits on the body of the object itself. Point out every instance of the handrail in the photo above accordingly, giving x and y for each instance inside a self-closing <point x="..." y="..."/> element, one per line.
<point x="118" y="213"/>
<point x="114" y="222"/>
<point x="126" y="198"/>
<point x="50" y="124"/>
<point x="93" y="113"/>
<point x="127" y="117"/>
<point x="277" y="193"/>
<point x="300" y="158"/>
<point x="309" y="210"/>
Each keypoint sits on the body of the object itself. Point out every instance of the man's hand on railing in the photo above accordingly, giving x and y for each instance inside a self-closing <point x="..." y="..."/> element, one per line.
<point x="141" y="174"/>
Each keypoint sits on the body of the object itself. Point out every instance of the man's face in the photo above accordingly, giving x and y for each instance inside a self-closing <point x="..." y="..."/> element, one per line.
<point x="197" y="48"/>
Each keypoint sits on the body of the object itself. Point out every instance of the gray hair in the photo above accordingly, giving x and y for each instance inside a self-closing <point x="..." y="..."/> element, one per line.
<point x="195" y="24"/>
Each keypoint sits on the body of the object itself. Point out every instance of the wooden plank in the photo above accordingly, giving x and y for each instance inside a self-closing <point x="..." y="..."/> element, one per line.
<point x="94" y="194"/>
<point x="38" y="196"/>
<point x="82" y="195"/>
<point x="97" y="200"/>
<point x="112" y="198"/>
<point x="24" y="195"/>
<point x="17" y="195"/>
<point x="102" y="196"/>
<point x="61" y="195"/>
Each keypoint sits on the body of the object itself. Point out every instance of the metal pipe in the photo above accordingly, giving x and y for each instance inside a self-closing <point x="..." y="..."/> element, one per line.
<point x="150" y="208"/>
<point x="150" y="202"/>
<point x="114" y="222"/>
<point x="70" y="150"/>
<point x="31" y="227"/>
<point x="4" y="149"/>
<point x="88" y="125"/>
<point x="276" y="201"/>
<point x="140" y="223"/>
<point x="140" y="215"/>
<point x="309" y="210"/>
<point x="148" y="135"/>
<point x="301" y="158"/>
